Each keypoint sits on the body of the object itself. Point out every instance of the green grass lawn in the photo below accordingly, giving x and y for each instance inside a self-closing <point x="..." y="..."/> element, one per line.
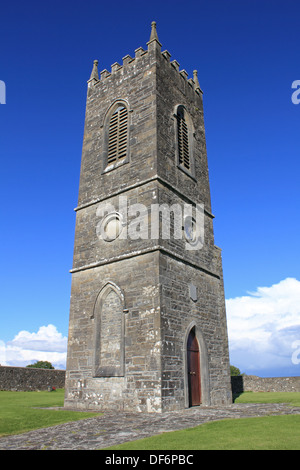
<point x="19" y="411"/>
<point x="265" y="433"/>
<point x="292" y="398"/>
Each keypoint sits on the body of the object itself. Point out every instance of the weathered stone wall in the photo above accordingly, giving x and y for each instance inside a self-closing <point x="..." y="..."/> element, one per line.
<point x="180" y="267"/>
<point x="29" y="379"/>
<point x="139" y="388"/>
<point x="179" y="313"/>
<point x="133" y="82"/>
<point x="252" y="383"/>
<point x="173" y="89"/>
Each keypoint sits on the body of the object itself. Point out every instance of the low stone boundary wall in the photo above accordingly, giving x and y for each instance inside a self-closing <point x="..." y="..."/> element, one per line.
<point x="252" y="383"/>
<point x="27" y="379"/>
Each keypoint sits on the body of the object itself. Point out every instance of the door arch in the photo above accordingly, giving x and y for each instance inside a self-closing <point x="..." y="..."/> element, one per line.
<point x="193" y="364"/>
<point x="194" y="339"/>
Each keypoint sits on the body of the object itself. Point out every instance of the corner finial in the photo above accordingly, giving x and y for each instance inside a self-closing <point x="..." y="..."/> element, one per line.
<point x="196" y="81"/>
<point x="94" y="74"/>
<point x="153" y="36"/>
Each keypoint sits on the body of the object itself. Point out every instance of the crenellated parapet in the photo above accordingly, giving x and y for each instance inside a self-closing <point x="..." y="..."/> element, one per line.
<point x="140" y="52"/>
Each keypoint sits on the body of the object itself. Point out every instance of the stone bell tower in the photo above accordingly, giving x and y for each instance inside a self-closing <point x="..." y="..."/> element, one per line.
<point x="147" y="328"/>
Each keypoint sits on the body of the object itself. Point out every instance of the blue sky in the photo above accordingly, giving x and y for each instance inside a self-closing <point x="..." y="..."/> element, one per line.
<point x="246" y="53"/>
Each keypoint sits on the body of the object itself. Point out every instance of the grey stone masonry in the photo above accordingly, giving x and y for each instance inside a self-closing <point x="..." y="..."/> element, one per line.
<point x="139" y="296"/>
<point x="30" y="379"/>
<point x="252" y="383"/>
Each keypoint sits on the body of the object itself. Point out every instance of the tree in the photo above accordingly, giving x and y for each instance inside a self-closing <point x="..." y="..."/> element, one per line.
<point x="41" y="365"/>
<point x="234" y="371"/>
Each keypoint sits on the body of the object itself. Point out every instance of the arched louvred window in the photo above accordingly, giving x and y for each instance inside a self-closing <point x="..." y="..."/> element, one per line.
<point x="183" y="140"/>
<point x="117" y="147"/>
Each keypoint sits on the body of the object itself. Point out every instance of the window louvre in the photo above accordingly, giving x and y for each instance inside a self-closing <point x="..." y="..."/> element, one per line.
<point x="117" y="135"/>
<point x="183" y="140"/>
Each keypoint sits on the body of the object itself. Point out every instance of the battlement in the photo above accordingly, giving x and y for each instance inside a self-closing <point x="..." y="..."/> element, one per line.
<point x="140" y="52"/>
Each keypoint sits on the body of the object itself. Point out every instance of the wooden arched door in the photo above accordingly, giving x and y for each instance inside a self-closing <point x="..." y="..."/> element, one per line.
<point x="193" y="362"/>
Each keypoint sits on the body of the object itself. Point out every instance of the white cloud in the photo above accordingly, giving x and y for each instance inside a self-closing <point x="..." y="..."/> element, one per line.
<point x="26" y="348"/>
<point x="263" y="326"/>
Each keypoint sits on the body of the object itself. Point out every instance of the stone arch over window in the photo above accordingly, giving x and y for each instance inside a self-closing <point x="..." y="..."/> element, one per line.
<point x="108" y="342"/>
<point x="204" y="369"/>
<point x="184" y="133"/>
<point x="116" y="135"/>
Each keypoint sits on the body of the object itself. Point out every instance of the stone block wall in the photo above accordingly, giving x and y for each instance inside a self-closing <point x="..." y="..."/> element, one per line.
<point x="29" y="379"/>
<point x="252" y="383"/>
<point x="137" y="277"/>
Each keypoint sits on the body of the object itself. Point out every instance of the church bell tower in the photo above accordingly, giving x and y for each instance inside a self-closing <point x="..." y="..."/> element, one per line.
<point x="147" y="328"/>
